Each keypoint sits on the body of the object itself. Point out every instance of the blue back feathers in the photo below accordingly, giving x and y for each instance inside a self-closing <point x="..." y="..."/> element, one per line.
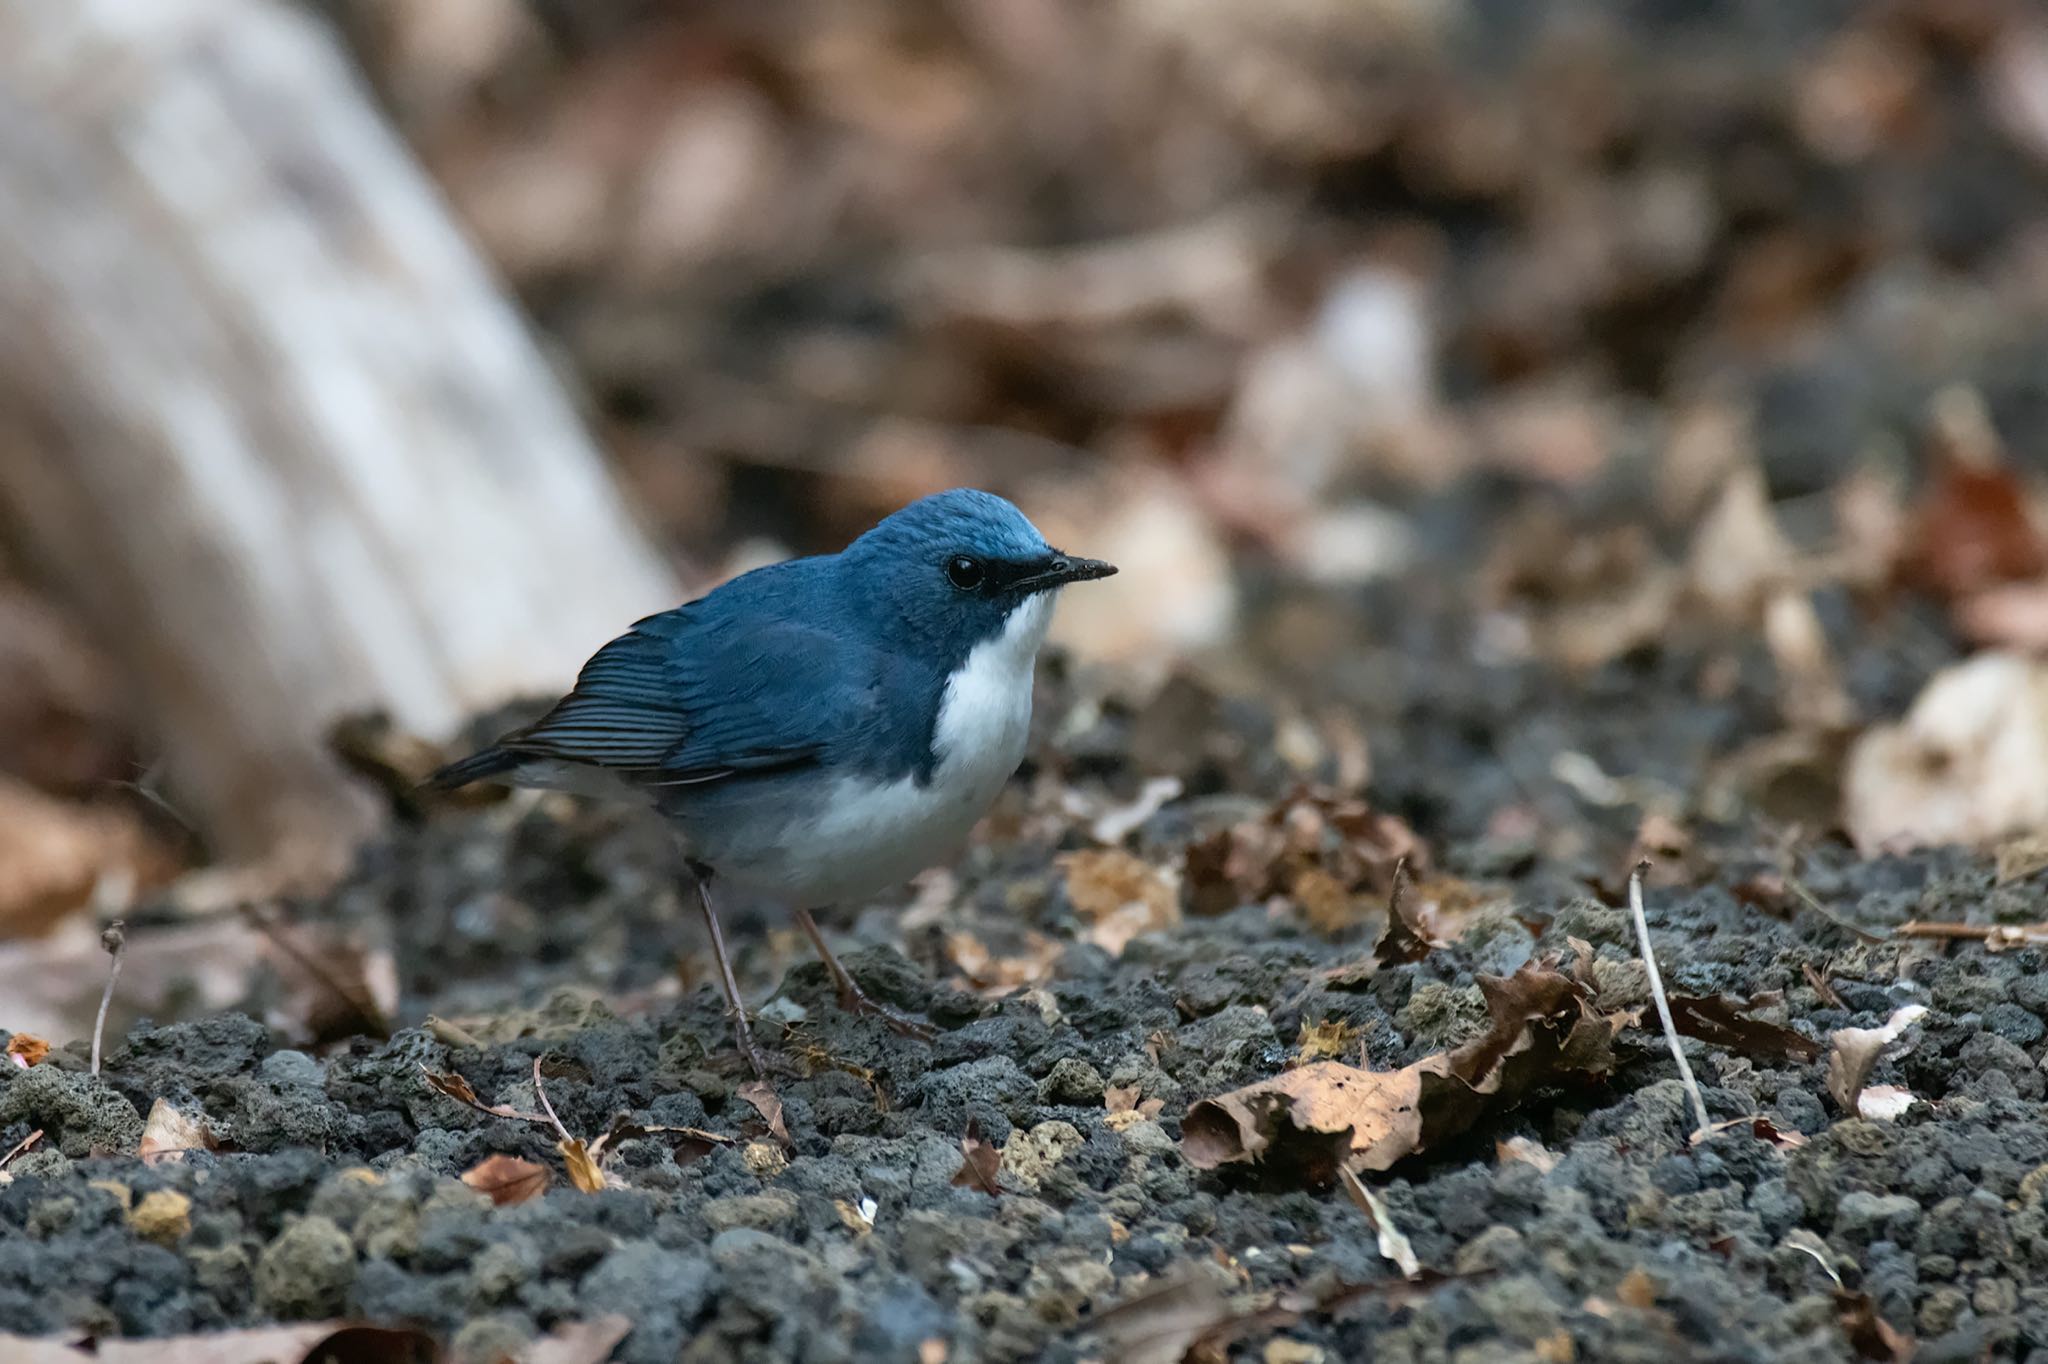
<point x="839" y="659"/>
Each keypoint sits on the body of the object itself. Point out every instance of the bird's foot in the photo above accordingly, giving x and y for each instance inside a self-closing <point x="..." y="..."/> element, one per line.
<point x="854" y="1001"/>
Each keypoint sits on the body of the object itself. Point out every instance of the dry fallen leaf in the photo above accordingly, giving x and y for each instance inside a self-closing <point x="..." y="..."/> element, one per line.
<point x="1723" y="1022"/>
<point x="1120" y="895"/>
<point x="1974" y="526"/>
<point x="980" y="1163"/>
<point x="168" y="1134"/>
<point x="305" y="1343"/>
<point x="54" y="853"/>
<point x="507" y="1179"/>
<point x="988" y="974"/>
<point x="1163" y="1319"/>
<point x="1528" y="1151"/>
<point x="1855" y="1051"/>
<point x="1314" y="1119"/>
<point x="1393" y="1244"/>
<point x="764" y="1101"/>
<point x="25" y="1051"/>
<point x="1401" y="942"/>
<point x="1968" y="763"/>
<point x="583" y="1171"/>
<point x="1884" y="1103"/>
<point x="1327" y="1039"/>
<point x="1869" y="1334"/>
<point x="1740" y="558"/>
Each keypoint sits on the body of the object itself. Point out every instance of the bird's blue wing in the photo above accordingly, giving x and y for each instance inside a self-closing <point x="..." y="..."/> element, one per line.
<point x="692" y="696"/>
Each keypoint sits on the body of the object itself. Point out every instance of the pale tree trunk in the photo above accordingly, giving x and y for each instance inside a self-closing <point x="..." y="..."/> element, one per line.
<point x="265" y="418"/>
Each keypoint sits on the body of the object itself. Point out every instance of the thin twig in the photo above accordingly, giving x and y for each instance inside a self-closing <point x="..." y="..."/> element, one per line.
<point x="1692" y="1087"/>
<point x="1812" y="901"/>
<point x="114" y="938"/>
<point x="20" y="1147"/>
<point x="365" y="1008"/>
<point x="547" y="1107"/>
<point x="455" y="1087"/>
<point x="1994" y="936"/>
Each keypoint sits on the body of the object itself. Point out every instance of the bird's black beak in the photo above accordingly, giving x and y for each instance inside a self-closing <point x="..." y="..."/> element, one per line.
<point x="1062" y="569"/>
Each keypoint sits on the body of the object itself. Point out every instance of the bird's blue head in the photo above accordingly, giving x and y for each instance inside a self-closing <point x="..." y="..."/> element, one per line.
<point x="952" y="570"/>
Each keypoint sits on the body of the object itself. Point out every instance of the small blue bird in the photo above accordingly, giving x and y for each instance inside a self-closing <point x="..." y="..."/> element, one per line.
<point x="821" y="729"/>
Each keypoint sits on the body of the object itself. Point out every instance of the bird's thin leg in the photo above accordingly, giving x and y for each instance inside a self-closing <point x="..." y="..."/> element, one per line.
<point x="851" y="997"/>
<point x="734" y="1005"/>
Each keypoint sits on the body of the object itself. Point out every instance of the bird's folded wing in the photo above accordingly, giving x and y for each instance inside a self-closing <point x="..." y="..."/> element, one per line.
<point x="675" y="702"/>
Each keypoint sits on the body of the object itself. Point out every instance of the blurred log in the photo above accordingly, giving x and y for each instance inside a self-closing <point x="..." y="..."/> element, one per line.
<point x="264" y="416"/>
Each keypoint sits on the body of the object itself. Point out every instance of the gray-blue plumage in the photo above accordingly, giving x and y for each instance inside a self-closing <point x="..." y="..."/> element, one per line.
<point x="823" y="727"/>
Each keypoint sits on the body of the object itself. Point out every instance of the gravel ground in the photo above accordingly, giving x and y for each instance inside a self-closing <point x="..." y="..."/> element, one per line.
<point x="551" y="931"/>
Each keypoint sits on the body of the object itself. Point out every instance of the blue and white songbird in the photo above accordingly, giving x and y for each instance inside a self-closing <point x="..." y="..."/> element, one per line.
<point x="821" y="729"/>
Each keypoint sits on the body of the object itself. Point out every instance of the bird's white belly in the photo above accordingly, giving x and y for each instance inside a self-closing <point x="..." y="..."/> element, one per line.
<point x="868" y="835"/>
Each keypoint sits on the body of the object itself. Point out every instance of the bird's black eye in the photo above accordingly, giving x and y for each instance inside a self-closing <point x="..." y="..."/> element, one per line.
<point x="964" y="573"/>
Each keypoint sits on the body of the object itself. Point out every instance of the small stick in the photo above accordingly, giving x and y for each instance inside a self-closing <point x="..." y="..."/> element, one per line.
<point x="114" y="938"/>
<point x="20" y="1147"/>
<point x="1993" y="935"/>
<point x="1692" y="1087"/>
<point x="458" y="1089"/>
<point x="1813" y="903"/>
<point x="365" y="1008"/>
<point x="547" y="1107"/>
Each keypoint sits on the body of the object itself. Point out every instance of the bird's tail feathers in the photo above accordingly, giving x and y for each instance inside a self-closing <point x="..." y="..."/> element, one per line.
<point x="491" y="762"/>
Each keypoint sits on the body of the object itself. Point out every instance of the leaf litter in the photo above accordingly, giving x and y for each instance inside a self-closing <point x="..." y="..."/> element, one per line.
<point x="1545" y="1028"/>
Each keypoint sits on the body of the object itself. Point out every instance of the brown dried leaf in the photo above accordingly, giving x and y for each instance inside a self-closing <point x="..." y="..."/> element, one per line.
<point x="1393" y="1244"/>
<point x="764" y="1101"/>
<point x="54" y="853"/>
<point x="1328" y="1038"/>
<point x="1162" y="1321"/>
<point x="2021" y="858"/>
<point x="582" y="1167"/>
<point x="1870" y="1335"/>
<point x="168" y="1134"/>
<point x="1528" y="1151"/>
<point x="26" y="1050"/>
<point x="980" y="1163"/>
<point x="507" y="1179"/>
<point x="1721" y="1021"/>
<point x="1974" y="526"/>
<point x="1401" y="942"/>
<point x="1968" y="763"/>
<point x="1740" y="558"/>
<point x="1124" y="1100"/>
<point x="1855" y="1051"/>
<point x="1317" y="1118"/>
<point x="1820" y="985"/>
<point x="1121" y="895"/>
<point x="988" y="974"/>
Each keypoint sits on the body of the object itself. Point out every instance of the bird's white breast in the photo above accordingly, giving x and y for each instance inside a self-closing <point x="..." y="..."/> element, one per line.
<point x="872" y="835"/>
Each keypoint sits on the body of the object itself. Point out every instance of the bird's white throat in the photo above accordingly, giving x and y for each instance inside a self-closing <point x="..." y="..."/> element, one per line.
<point x="874" y="835"/>
<point x="985" y="713"/>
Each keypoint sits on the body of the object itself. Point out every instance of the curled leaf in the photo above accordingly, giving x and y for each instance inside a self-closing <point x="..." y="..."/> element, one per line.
<point x="762" y="1098"/>
<point x="168" y="1134"/>
<point x="582" y="1167"/>
<point x="980" y="1163"/>
<point x="1319" y="1118"/>
<point x="507" y="1179"/>
<point x="1855" y="1051"/>
<point x="1725" y="1022"/>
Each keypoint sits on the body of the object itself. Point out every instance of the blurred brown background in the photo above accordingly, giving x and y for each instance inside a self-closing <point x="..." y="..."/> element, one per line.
<point x="1598" y="310"/>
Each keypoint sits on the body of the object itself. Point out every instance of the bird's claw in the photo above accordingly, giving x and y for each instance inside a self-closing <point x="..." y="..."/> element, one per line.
<point x="853" y="1001"/>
